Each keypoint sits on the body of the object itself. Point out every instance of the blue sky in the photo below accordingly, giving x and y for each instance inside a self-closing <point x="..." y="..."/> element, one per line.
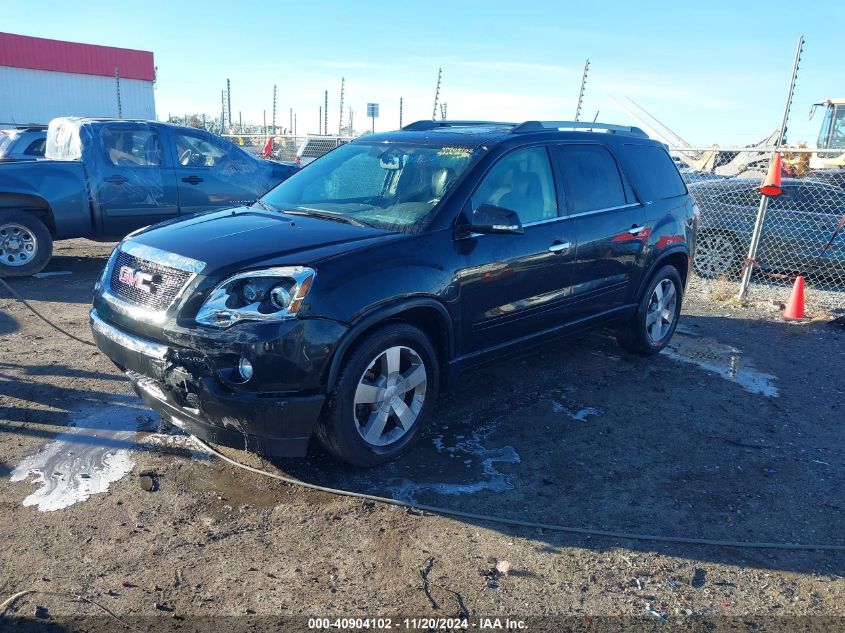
<point x="714" y="72"/>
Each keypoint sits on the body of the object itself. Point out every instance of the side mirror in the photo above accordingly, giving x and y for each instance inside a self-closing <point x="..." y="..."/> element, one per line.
<point x="489" y="218"/>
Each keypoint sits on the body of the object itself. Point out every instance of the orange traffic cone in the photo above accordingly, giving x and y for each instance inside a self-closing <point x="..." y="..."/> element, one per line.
<point x="794" y="310"/>
<point x="771" y="183"/>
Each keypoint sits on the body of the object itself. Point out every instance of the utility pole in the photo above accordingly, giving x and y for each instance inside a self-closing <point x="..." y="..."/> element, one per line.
<point x="117" y="86"/>
<point x="326" y="114"/>
<point x="437" y="93"/>
<point x="748" y="268"/>
<point x="340" y="122"/>
<point x="400" y="113"/>
<point x="583" y="87"/>
<point x="290" y="127"/>
<point x="265" y="121"/>
<point x="351" y="127"/>
<point x="320" y="120"/>
<point x="229" y="100"/>
<point x="274" y="109"/>
<point x="241" y="121"/>
<point x="294" y="123"/>
<point x="222" y="111"/>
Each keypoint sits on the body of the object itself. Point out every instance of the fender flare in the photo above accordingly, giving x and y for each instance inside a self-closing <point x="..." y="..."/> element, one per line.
<point x="384" y="313"/>
<point x="672" y="250"/>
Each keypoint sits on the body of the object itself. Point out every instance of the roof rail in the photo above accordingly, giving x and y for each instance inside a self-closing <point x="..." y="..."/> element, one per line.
<point x="545" y="126"/>
<point x="433" y="125"/>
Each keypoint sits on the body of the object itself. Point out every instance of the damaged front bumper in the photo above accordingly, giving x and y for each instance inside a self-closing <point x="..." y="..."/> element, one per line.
<point x="182" y="386"/>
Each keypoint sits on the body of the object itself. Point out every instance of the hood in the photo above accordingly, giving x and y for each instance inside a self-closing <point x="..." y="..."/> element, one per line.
<point x="241" y="237"/>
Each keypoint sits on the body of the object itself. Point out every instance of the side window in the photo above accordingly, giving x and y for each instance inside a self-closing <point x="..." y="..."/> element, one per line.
<point x="194" y="150"/>
<point x="654" y="172"/>
<point x="522" y="181"/>
<point x="125" y="147"/>
<point x="36" y="148"/>
<point x="591" y="178"/>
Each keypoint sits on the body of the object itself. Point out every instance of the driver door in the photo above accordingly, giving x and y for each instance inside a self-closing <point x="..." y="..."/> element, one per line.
<point x="516" y="285"/>
<point x="211" y="173"/>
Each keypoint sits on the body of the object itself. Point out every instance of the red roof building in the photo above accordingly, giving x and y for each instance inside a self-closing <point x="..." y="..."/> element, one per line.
<point x="42" y="79"/>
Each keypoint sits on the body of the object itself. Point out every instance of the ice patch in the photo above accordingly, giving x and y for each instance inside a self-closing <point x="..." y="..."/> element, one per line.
<point x="85" y="459"/>
<point x="580" y="415"/>
<point x="492" y="480"/>
<point x="721" y="359"/>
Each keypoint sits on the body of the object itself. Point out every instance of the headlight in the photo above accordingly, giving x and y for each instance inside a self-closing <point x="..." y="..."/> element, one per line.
<point x="270" y="294"/>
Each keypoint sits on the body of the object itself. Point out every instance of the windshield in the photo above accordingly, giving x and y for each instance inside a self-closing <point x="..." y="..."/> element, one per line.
<point x="394" y="187"/>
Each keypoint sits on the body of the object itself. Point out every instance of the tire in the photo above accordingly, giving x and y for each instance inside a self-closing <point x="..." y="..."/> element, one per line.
<point x="25" y="244"/>
<point x="369" y="431"/>
<point x="716" y="254"/>
<point x="648" y="331"/>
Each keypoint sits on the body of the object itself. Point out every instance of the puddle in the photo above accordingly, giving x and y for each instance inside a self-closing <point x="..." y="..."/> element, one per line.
<point x="578" y="414"/>
<point x="721" y="359"/>
<point x="52" y="273"/>
<point x="473" y="447"/>
<point x="86" y="458"/>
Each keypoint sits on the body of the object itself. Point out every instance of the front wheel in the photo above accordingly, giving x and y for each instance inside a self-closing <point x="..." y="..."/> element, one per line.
<point x="651" y="328"/>
<point x="25" y="244"/>
<point x="384" y="394"/>
<point x="717" y="254"/>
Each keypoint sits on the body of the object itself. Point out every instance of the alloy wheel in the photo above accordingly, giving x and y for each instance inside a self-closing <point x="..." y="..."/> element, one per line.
<point x="661" y="310"/>
<point x="715" y="255"/>
<point x="390" y="395"/>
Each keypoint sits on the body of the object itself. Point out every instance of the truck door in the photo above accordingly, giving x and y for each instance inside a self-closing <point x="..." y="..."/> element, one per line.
<point x="131" y="184"/>
<point x="212" y="173"/>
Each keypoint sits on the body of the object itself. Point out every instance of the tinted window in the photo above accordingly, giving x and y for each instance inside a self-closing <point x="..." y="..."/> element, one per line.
<point x="125" y="147"/>
<point x="36" y="148"/>
<point x="591" y="178"/>
<point x="522" y="181"/>
<point x="654" y="172"/>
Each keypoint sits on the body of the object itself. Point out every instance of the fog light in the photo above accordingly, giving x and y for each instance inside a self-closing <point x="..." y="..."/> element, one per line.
<point x="245" y="369"/>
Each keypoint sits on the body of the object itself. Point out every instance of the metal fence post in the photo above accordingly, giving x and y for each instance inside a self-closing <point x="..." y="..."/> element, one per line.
<point x="748" y="266"/>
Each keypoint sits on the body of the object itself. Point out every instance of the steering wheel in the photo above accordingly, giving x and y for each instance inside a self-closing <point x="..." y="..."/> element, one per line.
<point x="185" y="157"/>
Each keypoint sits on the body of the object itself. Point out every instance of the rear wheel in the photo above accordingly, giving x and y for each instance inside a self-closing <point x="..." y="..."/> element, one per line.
<point x="25" y="244"/>
<point x="651" y="328"/>
<point x="384" y="394"/>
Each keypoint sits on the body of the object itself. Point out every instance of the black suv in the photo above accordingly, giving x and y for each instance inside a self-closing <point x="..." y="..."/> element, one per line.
<point x="346" y="298"/>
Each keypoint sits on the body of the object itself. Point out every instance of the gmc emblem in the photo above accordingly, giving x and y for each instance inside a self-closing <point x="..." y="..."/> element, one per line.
<point x="136" y="278"/>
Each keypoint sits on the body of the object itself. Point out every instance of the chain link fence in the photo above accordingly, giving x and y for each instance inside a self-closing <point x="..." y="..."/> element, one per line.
<point x="803" y="231"/>
<point x="285" y="146"/>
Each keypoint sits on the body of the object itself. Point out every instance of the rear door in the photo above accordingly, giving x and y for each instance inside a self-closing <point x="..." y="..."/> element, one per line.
<point x="212" y="173"/>
<point x="516" y="285"/>
<point x="131" y="183"/>
<point x="800" y="223"/>
<point x="611" y="226"/>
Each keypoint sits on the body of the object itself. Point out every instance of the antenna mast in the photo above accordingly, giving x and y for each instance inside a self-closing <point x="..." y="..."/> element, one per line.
<point x="583" y="87"/>
<point x="340" y="124"/>
<point x="437" y="93"/>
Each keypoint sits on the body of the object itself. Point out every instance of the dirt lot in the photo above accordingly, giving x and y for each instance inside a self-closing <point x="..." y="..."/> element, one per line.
<point x="735" y="433"/>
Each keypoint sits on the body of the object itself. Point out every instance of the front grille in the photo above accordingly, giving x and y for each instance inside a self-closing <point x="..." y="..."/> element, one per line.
<point x="166" y="283"/>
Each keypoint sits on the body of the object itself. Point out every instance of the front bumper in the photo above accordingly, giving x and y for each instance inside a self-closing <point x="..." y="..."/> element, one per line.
<point x="194" y="399"/>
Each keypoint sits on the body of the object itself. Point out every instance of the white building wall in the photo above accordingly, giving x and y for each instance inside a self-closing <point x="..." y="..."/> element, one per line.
<point x="37" y="96"/>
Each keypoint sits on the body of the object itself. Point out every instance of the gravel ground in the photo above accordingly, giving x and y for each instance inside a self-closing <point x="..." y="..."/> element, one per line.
<point x="735" y="433"/>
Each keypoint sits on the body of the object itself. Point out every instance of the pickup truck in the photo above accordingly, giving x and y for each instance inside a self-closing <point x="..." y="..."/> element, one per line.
<point x="102" y="179"/>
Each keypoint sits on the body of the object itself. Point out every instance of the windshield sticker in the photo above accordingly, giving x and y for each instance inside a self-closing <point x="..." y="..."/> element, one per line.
<point x="462" y="152"/>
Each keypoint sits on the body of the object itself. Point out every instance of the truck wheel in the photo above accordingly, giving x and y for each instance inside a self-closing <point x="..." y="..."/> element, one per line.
<point x="384" y="394"/>
<point x="651" y="328"/>
<point x="717" y="254"/>
<point x="25" y="244"/>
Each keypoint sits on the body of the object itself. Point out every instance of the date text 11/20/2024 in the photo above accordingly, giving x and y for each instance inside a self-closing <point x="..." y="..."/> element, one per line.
<point x="430" y="624"/>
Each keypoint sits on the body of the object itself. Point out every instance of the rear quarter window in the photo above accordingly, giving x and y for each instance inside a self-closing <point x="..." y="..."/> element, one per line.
<point x="653" y="171"/>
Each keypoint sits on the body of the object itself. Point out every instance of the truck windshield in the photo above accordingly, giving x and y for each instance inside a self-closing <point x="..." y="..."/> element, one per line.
<point x="394" y="187"/>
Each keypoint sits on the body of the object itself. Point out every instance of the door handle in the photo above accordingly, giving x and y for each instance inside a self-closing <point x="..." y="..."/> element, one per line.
<point x="636" y="230"/>
<point x="192" y="180"/>
<point x="560" y="247"/>
<point x="117" y="180"/>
